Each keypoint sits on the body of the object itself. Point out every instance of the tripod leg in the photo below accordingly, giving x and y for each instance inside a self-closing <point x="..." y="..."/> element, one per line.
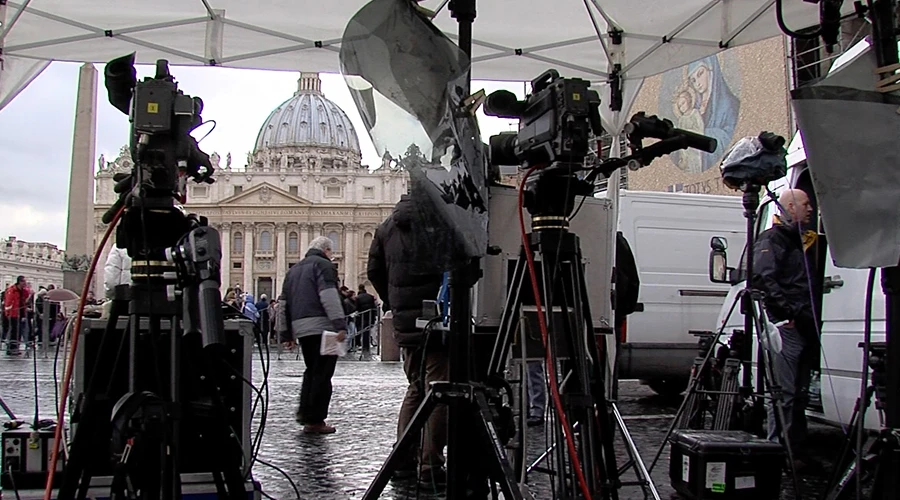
<point x="172" y="474"/>
<point x="508" y="319"/>
<point x="409" y="438"/>
<point x="843" y="464"/>
<point x="546" y="293"/>
<point x="728" y="398"/>
<point x="500" y="469"/>
<point x="639" y="468"/>
<point x="95" y="412"/>
<point x="607" y="467"/>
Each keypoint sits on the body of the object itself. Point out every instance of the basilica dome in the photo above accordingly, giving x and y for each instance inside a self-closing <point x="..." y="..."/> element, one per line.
<point x="308" y="119"/>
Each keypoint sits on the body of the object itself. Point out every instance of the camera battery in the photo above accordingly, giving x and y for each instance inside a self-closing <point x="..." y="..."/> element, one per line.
<point x="731" y="465"/>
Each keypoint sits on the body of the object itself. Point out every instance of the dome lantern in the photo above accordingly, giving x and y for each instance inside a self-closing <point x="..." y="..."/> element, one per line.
<point x="309" y="83"/>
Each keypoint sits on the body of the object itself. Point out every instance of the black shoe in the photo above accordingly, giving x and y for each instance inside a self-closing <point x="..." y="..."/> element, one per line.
<point x="433" y="478"/>
<point x="534" y="421"/>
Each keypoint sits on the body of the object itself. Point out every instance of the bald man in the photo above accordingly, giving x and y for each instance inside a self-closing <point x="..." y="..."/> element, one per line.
<point x="780" y="273"/>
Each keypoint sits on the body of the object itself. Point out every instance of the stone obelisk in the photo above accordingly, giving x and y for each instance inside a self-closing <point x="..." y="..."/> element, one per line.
<point x="80" y="224"/>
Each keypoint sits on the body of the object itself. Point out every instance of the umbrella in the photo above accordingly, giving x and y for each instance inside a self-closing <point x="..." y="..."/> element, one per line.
<point x="60" y="295"/>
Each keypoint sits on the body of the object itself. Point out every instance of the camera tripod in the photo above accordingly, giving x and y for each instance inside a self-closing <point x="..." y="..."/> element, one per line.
<point x="846" y="468"/>
<point x="750" y="301"/>
<point x="476" y="440"/>
<point x="587" y="415"/>
<point x="147" y="422"/>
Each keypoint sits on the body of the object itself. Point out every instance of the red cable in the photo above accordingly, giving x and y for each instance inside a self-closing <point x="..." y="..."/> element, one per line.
<point x="551" y="370"/>
<point x="57" y="435"/>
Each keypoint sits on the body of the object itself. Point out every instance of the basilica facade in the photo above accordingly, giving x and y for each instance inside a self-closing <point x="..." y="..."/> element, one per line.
<point x="303" y="179"/>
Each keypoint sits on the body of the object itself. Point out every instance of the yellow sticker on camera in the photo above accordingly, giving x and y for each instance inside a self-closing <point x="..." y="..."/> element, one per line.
<point x="153" y="107"/>
<point x="576" y="97"/>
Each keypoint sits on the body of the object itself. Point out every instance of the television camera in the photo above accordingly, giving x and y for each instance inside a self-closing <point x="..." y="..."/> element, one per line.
<point x="165" y="155"/>
<point x="173" y="299"/>
<point x="557" y="121"/>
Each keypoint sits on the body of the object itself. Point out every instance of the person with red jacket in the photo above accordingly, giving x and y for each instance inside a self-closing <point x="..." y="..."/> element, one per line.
<point x="14" y="308"/>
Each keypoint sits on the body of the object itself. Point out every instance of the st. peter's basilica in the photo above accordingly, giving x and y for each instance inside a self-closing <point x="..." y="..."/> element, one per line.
<point x="303" y="179"/>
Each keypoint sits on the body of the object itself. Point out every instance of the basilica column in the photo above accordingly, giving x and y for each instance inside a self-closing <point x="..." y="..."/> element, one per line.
<point x="248" y="284"/>
<point x="317" y="230"/>
<point x="351" y="256"/>
<point x="280" y="255"/>
<point x="225" y="233"/>
<point x="304" y="238"/>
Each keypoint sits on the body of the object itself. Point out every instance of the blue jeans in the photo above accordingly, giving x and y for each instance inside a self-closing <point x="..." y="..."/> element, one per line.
<point x="537" y="389"/>
<point x="792" y="367"/>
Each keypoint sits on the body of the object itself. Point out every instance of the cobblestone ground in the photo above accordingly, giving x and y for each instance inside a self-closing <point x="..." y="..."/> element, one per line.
<point x="367" y="395"/>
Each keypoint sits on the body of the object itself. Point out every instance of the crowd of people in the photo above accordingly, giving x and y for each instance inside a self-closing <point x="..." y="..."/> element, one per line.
<point x="24" y="315"/>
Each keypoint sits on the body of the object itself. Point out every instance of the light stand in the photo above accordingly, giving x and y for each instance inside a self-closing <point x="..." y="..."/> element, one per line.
<point x="887" y="479"/>
<point x="461" y="282"/>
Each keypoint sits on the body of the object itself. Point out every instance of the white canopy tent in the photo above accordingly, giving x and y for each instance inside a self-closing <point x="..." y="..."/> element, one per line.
<point x="513" y="41"/>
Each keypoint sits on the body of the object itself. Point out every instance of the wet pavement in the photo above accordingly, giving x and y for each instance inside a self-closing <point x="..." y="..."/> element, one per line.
<point x="367" y="395"/>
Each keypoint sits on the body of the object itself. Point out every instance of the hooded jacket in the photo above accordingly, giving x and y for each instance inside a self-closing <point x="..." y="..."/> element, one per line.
<point x="779" y="271"/>
<point x="250" y="311"/>
<point x="390" y="270"/>
<point x="117" y="270"/>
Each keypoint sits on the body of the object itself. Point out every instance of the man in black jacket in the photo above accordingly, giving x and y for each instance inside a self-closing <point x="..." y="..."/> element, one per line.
<point x="312" y="306"/>
<point x="365" y="306"/>
<point x="780" y="272"/>
<point x="425" y="358"/>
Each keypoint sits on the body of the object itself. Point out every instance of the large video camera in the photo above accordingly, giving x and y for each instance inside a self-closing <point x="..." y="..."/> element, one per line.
<point x="557" y="120"/>
<point x="164" y="153"/>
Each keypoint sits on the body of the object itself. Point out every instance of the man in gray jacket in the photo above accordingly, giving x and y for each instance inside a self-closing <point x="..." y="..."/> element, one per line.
<point x="311" y="306"/>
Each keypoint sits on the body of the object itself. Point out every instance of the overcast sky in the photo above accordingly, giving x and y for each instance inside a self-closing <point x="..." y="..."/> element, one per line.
<point x="36" y="133"/>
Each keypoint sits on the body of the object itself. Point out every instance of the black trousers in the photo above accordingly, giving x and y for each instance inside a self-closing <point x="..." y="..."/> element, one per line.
<point x="315" y="393"/>
<point x="12" y="340"/>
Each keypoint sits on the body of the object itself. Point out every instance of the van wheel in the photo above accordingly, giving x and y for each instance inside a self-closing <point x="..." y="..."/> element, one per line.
<point x="669" y="387"/>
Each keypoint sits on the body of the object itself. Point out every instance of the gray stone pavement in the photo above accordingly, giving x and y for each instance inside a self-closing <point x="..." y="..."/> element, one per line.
<point x="367" y="395"/>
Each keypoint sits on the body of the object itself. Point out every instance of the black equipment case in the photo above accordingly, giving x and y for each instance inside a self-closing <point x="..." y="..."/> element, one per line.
<point x="732" y="465"/>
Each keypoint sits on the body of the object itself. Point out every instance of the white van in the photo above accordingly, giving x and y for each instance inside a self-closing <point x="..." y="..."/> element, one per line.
<point x="669" y="234"/>
<point x="840" y="304"/>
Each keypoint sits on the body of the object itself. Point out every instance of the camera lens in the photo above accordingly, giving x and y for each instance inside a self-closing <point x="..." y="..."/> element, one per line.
<point x="503" y="149"/>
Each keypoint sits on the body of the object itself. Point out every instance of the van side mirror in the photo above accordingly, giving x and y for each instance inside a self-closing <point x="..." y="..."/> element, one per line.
<point x="718" y="243"/>
<point x="719" y="272"/>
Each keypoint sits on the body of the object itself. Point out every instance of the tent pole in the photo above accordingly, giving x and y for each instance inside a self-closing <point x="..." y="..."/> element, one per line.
<point x="464" y="13"/>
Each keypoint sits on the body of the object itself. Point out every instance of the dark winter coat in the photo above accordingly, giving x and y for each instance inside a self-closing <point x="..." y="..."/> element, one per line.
<point x="262" y="307"/>
<point x="365" y="305"/>
<point x="390" y="271"/>
<point x="779" y="271"/>
<point x="313" y="303"/>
